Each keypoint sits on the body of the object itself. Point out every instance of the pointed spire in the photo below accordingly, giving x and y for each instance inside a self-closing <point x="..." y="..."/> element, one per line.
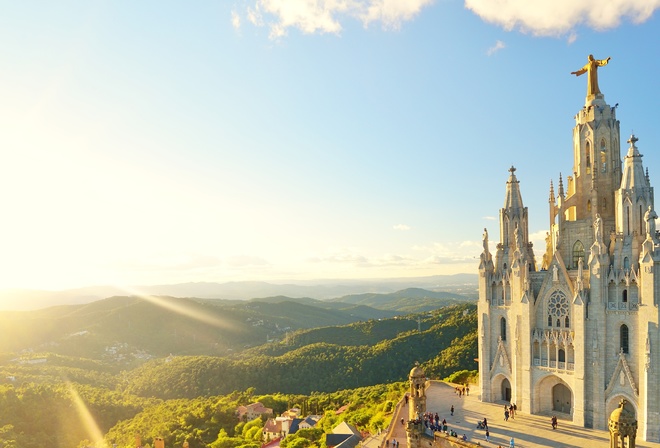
<point x="648" y="180"/>
<point x="513" y="198"/>
<point x="633" y="174"/>
<point x="561" y="186"/>
<point x="552" y="193"/>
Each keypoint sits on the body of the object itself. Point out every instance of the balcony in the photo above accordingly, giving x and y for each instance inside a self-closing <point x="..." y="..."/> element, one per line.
<point x="554" y="365"/>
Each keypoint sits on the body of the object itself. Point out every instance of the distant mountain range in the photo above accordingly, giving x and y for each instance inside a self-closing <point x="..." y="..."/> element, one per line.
<point x="124" y="329"/>
<point x="464" y="285"/>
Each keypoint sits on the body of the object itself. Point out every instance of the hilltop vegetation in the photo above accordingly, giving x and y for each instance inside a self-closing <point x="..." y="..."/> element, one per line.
<point x="110" y="363"/>
<point x="303" y="368"/>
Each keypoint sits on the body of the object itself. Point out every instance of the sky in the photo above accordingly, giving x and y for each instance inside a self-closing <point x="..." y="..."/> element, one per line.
<point x="161" y="142"/>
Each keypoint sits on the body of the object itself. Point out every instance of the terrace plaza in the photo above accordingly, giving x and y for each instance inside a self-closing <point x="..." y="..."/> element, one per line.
<point x="528" y="431"/>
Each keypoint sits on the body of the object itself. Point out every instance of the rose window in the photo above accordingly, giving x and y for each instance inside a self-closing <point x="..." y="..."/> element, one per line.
<point x="558" y="305"/>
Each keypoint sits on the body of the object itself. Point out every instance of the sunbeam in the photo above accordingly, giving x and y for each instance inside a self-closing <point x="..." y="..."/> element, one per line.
<point x="86" y="419"/>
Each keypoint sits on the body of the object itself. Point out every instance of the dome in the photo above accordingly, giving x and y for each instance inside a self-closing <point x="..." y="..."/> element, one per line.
<point x="417" y="372"/>
<point x="623" y="415"/>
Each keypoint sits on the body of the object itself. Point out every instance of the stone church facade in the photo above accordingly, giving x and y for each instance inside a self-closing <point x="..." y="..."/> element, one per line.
<point x="576" y="335"/>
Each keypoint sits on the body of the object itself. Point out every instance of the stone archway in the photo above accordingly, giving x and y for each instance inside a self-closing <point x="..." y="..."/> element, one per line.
<point x="562" y="399"/>
<point x="551" y="395"/>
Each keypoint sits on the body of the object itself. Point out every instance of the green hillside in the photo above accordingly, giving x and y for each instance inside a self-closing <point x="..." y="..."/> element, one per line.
<point x="318" y="366"/>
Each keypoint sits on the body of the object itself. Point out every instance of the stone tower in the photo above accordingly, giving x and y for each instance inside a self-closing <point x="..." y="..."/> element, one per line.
<point x="579" y="334"/>
<point x="416" y="407"/>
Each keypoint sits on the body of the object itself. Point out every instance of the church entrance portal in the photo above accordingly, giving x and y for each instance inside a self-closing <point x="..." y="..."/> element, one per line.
<point x="506" y="390"/>
<point x="561" y="399"/>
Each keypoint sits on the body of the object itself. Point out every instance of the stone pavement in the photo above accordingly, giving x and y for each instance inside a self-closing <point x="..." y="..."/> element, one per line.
<point x="527" y="430"/>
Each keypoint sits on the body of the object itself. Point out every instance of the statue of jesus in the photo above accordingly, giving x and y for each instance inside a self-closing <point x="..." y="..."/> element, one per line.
<point x="591" y="69"/>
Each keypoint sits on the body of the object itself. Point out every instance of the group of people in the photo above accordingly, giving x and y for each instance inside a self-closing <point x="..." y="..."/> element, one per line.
<point x="510" y="411"/>
<point x="484" y="425"/>
<point x="395" y="443"/>
<point x="462" y="390"/>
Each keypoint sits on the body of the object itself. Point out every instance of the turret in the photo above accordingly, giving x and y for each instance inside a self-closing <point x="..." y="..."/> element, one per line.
<point x="635" y="195"/>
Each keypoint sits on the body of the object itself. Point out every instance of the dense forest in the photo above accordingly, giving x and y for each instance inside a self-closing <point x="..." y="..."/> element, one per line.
<point x="87" y="401"/>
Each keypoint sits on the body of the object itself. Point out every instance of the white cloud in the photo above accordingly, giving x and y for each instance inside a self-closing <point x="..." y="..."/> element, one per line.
<point x="558" y="17"/>
<point x="499" y="45"/>
<point x="572" y="37"/>
<point x="490" y="218"/>
<point x="401" y="227"/>
<point x="325" y="16"/>
<point x="235" y="20"/>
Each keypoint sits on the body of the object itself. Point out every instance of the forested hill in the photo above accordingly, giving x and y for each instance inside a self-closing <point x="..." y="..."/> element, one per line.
<point x="179" y="396"/>
<point x="446" y="343"/>
<point x="127" y="330"/>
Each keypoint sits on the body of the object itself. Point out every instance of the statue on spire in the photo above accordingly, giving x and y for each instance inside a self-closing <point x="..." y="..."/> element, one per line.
<point x="591" y="69"/>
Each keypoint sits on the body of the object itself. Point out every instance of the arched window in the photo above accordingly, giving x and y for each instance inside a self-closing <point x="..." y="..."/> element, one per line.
<point x="562" y="355"/>
<point x="587" y="149"/>
<point x="578" y="252"/>
<point x="603" y="156"/>
<point x="566" y="322"/>
<point x="503" y="328"/>
<point x="589" y="206"/>
<point x="549" y="321"/>
<point x="623" y="336"/>
<point x="558" y="323"/>
<point x="624" y="297"/>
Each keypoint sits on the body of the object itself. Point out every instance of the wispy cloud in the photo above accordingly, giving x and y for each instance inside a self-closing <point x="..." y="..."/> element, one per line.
<point x="489" y="218"/>
<point x="558" y="17"/>
<point x="499" y="45"/>
<point x="401" y="227"/>
<point x="326" y="16"/>
<point x="235" y="20"/>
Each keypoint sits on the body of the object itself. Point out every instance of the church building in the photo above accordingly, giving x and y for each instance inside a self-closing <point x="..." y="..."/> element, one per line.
<point x="579" y="333"/>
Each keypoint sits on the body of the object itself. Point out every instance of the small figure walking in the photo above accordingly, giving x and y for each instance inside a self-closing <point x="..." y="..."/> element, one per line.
<point x="554" y="422"/>
<point x="506" y="415"/>
<point x="452" y="409"/>
<point x="511" y="443"/>
<point x="487" y="435"/>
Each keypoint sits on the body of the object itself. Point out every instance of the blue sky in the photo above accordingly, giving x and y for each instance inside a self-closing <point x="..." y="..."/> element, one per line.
<point x="278" y="140"/>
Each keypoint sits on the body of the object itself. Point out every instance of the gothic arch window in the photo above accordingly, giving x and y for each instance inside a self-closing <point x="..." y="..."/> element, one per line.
<point x="624" y="296"/>
<point x="589" y="206"/>
<point x="623" y="338"/>
<point x="561" y="355"/>
<point x="557" y="308"/>
<point x="587" y="148"/>
<point x="578" y="252"/>
<point x="567" y="322"/>
<point x="603" y="156"/>
<point x="503" y="328"/>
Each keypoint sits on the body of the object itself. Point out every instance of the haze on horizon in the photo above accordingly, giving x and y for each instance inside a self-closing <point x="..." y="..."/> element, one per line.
<point x="161" y="143"/>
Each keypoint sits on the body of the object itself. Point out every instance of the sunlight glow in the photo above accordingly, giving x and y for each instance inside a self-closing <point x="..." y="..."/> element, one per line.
<point x="86" y="419"/>
<point x="169" y="303"/>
